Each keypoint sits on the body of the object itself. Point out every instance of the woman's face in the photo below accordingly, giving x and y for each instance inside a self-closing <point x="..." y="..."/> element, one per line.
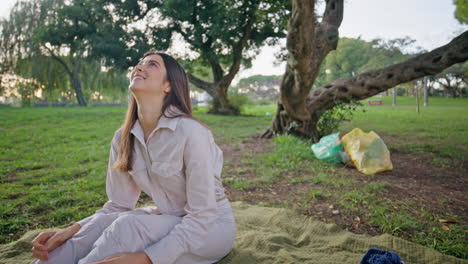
<point x="150" y="77"/>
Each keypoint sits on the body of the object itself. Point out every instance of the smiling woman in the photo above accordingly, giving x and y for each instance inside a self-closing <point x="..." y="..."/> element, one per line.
<point x="163" y="151"/>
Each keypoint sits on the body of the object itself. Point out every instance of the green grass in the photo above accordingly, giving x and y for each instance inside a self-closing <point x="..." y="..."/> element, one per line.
<point x="53" y="162"/>
<point x="403" y="218"/>
<point x="419" y="225"/>
<point x="317" y="194"/>
<point x="439" y="129"/>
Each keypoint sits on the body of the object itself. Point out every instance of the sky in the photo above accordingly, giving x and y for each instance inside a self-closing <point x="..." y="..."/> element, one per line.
<point x="430" y="22"/>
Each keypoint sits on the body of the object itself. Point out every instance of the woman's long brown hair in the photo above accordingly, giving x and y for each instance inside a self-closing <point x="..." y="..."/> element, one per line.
<point x="178" y="96"/>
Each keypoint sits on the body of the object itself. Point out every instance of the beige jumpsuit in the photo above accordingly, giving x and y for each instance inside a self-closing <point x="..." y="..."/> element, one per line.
<point x="179" y="167"/>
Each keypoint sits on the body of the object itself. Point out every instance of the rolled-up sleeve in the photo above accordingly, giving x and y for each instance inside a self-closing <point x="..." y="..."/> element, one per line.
<point x="191" y="233"/>
<point x="122" y="191"/>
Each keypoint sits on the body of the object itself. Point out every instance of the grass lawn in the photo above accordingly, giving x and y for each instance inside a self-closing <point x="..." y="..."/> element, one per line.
<point x="440" y="129"/>
<point x="53" y="161"/>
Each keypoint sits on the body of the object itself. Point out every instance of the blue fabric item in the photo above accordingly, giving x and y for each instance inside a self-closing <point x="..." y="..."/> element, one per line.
<point x="380" y="256"/>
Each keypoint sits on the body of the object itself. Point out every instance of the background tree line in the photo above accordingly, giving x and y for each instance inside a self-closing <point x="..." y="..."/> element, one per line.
<point x="85" y="48"/>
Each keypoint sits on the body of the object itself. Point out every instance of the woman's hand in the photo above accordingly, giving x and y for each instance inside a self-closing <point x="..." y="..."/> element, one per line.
<point x="124" y="258"/>
<point x="50" y="240"/>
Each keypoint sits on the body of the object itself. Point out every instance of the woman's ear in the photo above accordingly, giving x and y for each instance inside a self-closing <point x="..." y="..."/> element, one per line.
<point x="167" y="89"/>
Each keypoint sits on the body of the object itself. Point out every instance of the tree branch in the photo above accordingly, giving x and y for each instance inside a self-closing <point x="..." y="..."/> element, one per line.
<point x="326" y="33"/>
<point x="239" y="47"/>
<point x="371" y="83"/>
<point x="301" y="33"/>
<point x="67" y="69"/>
<point x="216" y="68"/>
<point x="206" y="86"/>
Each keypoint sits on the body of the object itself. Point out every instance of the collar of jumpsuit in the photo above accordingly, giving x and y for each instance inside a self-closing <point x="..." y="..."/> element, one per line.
<point x="164" y="122"/>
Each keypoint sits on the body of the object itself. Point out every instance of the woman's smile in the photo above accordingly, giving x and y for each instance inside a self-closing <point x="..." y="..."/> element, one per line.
<point x="138" y="76"/>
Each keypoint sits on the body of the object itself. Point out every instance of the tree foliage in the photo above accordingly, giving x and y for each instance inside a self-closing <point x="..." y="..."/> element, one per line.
<point x="461" y="11"/>
<point x="453" y="80"/>
<point x="226" y="35"/>
<point x="310" y="40"/>
<point x="64" y="44"/>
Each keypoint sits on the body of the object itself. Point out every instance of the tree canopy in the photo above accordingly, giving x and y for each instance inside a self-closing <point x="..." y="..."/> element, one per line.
<point x="461" y="11"/>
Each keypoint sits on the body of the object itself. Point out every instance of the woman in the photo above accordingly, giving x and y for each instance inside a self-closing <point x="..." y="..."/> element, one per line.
<point x="161" y="150"/>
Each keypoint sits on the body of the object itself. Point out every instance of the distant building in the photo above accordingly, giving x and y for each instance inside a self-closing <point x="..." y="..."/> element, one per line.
<point x="200" y="98"/>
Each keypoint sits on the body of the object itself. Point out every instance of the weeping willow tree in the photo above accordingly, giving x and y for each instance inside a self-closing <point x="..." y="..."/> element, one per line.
<point x="51" y="41"/>
<point x="46" y="72"/>
<point x="22" y="55"/>
<point x="104" y="84"/>
<point x="41" y="41"/>
<point x="100" y="84"/>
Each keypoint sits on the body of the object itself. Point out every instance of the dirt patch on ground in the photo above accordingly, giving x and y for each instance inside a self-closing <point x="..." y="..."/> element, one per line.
<point x="418" y="179"/>
<point x="415" y="178"/>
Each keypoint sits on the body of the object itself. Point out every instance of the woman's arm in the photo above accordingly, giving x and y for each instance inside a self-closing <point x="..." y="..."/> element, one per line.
<point x="123" y="195"/>
<point x="121" y="189"/>
<point x="50" y="240"/>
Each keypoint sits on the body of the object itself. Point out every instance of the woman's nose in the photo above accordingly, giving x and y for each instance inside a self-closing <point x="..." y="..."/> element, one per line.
<point x="138" y="67"/>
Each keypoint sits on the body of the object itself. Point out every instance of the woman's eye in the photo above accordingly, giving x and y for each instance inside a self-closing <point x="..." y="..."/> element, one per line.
<point x="152" y="64"/>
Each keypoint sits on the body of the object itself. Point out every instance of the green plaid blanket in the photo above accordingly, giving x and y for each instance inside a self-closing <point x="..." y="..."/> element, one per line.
<point x="274" y="235"/>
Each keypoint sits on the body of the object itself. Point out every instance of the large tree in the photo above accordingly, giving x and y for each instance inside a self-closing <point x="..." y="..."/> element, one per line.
<point x="75" y="34"/>
<point x="225" y="34"/>
<point x="30" y="42"/>
<point x="28" y="38"/>
<point x="21" y="56"/>
<point x="453" y="79"/>
<point x="310" y="40"/>
<point x="17" y="32"/>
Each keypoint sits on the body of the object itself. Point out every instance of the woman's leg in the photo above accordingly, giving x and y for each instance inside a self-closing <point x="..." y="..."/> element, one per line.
<point x="131" y="233"/>
<point x="81" y="243"/>
<point x="219" y="243"/>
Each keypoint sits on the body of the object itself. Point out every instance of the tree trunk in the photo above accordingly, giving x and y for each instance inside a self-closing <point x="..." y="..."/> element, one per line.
<point x="451" y="87"/>
<point x="219" y="94"/>
<point x="73" y="73"/>
<point x="394" y="95"/>
<point x="426" y="95"/>
<point x="221" y="103"/>
<point x="219" y="88"/>
<point x="76" y="84"/>
<point x="450" y="90"/>
<point x="308" y="42"/>
<point x="416" y="88"/>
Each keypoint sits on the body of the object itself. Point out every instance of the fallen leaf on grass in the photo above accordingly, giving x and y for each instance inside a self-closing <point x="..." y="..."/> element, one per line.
<point x="357" y="222"/>
<point x="445" y="228"/>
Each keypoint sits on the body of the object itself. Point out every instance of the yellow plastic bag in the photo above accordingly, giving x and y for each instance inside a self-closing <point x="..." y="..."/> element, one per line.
<point x="368" y="152"/>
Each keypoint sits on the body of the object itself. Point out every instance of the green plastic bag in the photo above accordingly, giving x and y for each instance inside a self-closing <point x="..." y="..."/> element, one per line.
<point x="328" y="148"/>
